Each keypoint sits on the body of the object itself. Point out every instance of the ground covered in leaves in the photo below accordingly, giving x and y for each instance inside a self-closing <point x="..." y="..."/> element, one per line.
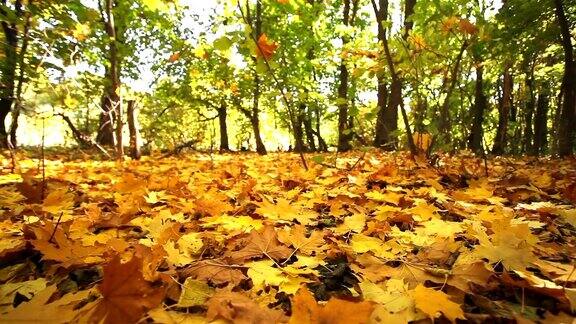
<point x="357" y="238"/>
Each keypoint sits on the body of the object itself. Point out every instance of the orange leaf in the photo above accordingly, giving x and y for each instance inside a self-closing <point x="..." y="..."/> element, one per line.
<point x="174" y="57"/>
<point x="337" y="311"/>
<point x="126" y="295"/>
<point x="238" y="308"/>
<point x="467" y="27"/>
<point x="265" y="48"/>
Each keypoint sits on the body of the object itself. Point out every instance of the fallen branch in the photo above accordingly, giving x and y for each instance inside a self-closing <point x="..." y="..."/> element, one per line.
<point x="81" y="138"/>
<point x="178" y="149"/>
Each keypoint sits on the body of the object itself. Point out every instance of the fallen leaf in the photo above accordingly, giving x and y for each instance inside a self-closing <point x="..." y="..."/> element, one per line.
<point x="126" y="295"/>
<point x="240" y="309"/>
<point x="305" y="310"/>
<point x="433" y="302"/>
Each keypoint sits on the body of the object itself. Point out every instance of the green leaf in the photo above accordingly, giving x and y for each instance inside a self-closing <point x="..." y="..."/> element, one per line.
<point x="223" y="43"/>
<point x="318" y="159"/>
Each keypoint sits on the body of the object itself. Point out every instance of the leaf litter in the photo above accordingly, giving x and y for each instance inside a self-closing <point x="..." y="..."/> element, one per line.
<point x="373" y="238"/>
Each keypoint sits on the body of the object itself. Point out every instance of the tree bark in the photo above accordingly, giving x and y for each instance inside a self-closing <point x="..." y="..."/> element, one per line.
<point x="383" y="119"/>
<point x="387" y="118"/>
<point x="5" y="107"/>
<point x="255" y="122"/>
<point x="111" y="106"/>
<point x="445" y="118"/>
<point x="222" y="115"/>
<point x="567" y="126"/>
<point x="501" y="139"/>
<point x="9" y="66"/>
<point x="106" y="130"/>
<point x="322" y="146"/>
<point x="344" y="129"/>
<point x="308" y="130"/>
<point x="299" y="145"/>
<point x="344" y="125"/>
<point x="541" y="122"/>
<point x="381" y="131"/>
<point x="133" y="129"/>
<point x="528" y="144"/>
<point x="255" y="119"/>
<point x="480" y="103"/>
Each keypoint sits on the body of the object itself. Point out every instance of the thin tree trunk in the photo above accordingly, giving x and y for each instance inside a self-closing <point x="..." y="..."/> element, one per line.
<point x="322" y="146"/>
<point x="528" y="144"/>
<point x="222" y="115"/>
<point x="445" y="118"/>
<point x="255" y="119"/>
<point x="119" y="128"/>
<point x="308" y="130"/>
<point x="567" y="126"/>
<point x="344" y="130"/>
<point x="133" y="128"/>
<point x="480" y="103"/>
<point x="503" y="114"/>
<point x="299" y="145"/>
<point x="381" y="132"/>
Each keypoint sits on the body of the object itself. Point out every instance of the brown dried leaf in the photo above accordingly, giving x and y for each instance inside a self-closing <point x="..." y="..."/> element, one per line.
<point x="239" y="309"/>
<point x="262" y="243"/>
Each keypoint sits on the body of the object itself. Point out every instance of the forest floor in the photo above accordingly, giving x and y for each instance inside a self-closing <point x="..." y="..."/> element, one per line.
<point x="358" y="237"/>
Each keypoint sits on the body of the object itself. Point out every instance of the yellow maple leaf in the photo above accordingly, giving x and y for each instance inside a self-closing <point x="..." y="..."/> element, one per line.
<point x="58" y="201"/>
<point x="433" y="302"/>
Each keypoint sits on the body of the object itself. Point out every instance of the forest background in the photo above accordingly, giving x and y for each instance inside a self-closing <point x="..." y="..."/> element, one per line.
<point x="282" y="74"/>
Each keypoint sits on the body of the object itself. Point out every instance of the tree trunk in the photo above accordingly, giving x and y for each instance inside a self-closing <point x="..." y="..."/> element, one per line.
<point x="567" y="126"/>
<point x="222" y="115"/>
<point x="133" y="129"/>
<point x="8" y="69"/>
<point x="255" y="119"/>
<point x="445" y="118"/>
<point x="111" y="106"/>
<point x="255" y="122"/>
<point x="119" y="128"/>
<point x="529" y="114"/>
<point x="541" y="122"/>
<point x="387" y="119"/>
<point x="480" y="103"/>
<point x="106" y="130"/>
<point x="299" y="145"/>
<point x="381" y="131"/>
<point x="20" y="82"/>
<point x="503" y="114"/>
<point x="308" y="130"/>
<point x="344" y="125"/>
<point x="344" y="131"/>
<point x="5" y="106"/>
<point x="322" y="146"/>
